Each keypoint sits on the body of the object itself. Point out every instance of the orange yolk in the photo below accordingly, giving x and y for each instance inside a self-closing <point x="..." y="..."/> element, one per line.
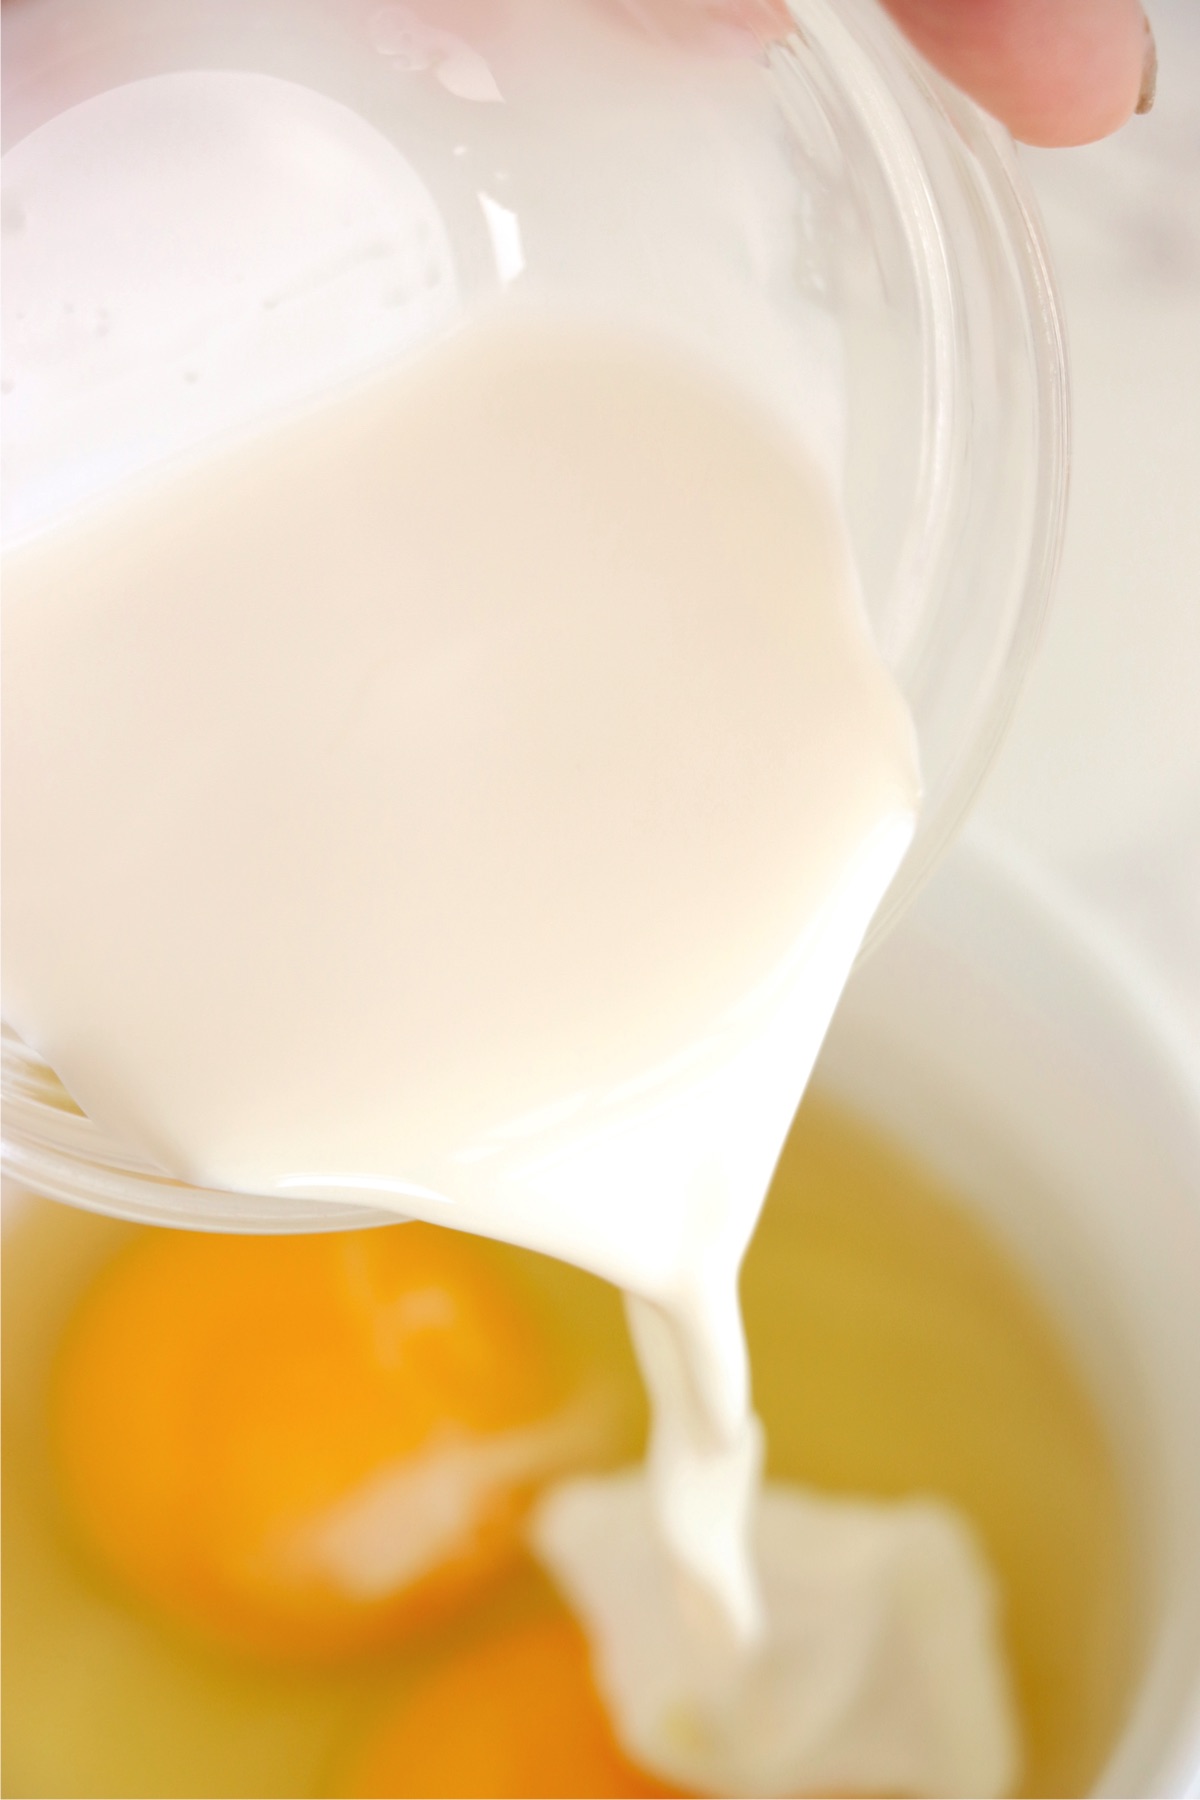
<point x="305" y="1446"/>
<point x="518" y="1715"/>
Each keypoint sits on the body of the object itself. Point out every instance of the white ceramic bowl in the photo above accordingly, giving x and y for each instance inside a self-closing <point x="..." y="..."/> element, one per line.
<point x="1012" y="1043"/>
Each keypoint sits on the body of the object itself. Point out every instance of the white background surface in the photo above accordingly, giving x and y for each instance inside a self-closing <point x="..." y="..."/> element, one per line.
<point x="1100" y="778"/>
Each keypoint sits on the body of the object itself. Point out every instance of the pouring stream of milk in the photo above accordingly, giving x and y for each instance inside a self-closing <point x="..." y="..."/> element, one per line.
<point x="471" y="794"/>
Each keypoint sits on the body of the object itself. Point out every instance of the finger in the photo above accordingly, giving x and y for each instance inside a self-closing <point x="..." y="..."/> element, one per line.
<point x="1055" y="71"/>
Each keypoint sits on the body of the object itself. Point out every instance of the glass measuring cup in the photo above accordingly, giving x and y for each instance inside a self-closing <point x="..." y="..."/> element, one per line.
<point x="898" y="239"/>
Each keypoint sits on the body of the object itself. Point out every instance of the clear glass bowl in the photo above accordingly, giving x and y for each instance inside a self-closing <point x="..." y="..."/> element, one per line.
<point x="912" y="244"/>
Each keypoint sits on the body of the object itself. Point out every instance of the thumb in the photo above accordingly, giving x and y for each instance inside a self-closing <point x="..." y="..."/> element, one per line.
<point x="1055" y="71"/>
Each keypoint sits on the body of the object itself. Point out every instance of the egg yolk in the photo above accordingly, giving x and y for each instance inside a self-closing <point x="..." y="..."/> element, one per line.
<point x="518" y="1715"/>
<point x="306" y="1446"/>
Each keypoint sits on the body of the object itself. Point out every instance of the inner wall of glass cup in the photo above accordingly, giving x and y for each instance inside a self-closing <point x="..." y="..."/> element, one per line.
<point x="954" y="373"/>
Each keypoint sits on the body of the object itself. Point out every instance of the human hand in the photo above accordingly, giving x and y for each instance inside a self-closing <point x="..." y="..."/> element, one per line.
<point x="1055" y="71"/>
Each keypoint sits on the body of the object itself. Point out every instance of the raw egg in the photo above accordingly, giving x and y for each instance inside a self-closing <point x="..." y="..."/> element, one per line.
<point x="306" y="1447"/>
<point x="516" y="1715"/>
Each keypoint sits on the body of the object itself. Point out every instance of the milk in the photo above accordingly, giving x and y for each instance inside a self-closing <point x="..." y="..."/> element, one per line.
<point x="471" y="795"/>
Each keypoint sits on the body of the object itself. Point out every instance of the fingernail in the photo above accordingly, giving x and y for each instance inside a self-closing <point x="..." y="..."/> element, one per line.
<point x="1149" y="73"/>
